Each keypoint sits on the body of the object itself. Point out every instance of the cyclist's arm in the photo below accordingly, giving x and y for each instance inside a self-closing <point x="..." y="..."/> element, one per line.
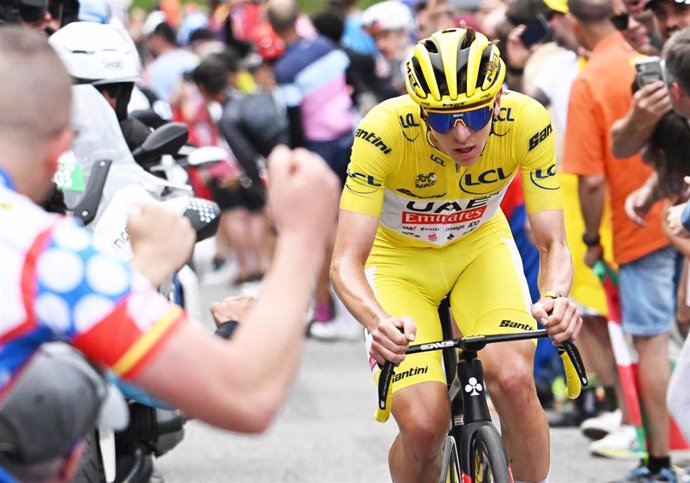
<point x="354" y="239"/>
<point x="559" y="315"/>
<point x="555" y="265"/>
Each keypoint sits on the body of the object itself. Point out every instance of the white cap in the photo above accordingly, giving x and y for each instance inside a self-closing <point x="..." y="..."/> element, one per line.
<point x="387" y="15"/>
<point x="153" y="19"/>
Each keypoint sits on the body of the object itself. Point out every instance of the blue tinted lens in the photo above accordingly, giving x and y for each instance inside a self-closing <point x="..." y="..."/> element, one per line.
<point x="475" y="120"/>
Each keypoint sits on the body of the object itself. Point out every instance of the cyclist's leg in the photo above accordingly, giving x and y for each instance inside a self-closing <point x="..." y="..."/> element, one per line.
<point x="422" y="414"/>
<point x="490" y="297"/>
<point x="420" y="399"/>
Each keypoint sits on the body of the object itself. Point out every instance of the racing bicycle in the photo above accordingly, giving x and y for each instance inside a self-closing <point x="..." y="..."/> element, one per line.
<point x="473" y="450"/>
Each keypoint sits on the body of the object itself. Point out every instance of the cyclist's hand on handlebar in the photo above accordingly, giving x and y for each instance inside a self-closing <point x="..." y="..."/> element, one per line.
<point x="559" y="316"/>
<point x="391" y="338"/>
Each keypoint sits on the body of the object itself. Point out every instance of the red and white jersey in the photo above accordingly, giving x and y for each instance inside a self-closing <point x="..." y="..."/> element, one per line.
<point x="57" y="285"/>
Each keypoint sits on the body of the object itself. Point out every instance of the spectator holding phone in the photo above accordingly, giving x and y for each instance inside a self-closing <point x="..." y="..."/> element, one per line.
<point x="651" y="100"/>
<point x="647" y="264"/>
<point x="528" y="44"/>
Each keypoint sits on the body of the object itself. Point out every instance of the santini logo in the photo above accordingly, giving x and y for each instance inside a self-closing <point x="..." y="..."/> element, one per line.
<point x="514" y="325"/>
<point x="539" y="137"/>
<point x="411" y="372"/>
<point x="372" y="138"/>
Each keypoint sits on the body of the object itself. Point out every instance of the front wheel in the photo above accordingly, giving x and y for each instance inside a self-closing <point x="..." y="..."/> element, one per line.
<point x="488" y="460"/>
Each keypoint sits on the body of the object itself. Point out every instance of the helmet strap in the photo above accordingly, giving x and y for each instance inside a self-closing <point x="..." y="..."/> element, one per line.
<point x="429" y="135"/>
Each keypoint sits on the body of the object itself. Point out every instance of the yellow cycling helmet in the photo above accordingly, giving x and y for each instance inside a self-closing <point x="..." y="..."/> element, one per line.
<point x="453" y="69"/>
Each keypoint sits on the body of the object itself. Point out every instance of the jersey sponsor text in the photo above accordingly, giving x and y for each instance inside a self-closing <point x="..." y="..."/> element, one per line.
<point x="372" y="138"/>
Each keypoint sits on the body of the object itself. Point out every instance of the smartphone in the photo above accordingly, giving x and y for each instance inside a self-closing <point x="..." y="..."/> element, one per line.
<point x="649" y="70"/>
<point x="536" y="31"/>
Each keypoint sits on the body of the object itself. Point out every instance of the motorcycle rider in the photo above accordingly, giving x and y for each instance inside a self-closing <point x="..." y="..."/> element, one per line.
<point x="104" y="56"/>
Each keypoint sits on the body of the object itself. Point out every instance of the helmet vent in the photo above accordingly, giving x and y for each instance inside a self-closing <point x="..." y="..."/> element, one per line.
<point x="431" y="46"/>
<point x="484" y="66"/>
<point x="467" y="39"/>
<point x="419" y="74"/>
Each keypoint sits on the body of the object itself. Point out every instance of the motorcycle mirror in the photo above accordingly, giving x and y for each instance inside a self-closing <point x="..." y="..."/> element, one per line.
<point x="206" y="155"/>
<point x="167" y="139"/>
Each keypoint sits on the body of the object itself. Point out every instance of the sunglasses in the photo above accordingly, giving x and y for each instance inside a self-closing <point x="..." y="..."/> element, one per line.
<point x="620" y="21"/>
<point x="475" y="120"/>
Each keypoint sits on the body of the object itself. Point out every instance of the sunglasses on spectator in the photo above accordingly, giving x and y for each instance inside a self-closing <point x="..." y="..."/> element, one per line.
<point x="620" y="21"/>
<point x="475" y="119"/>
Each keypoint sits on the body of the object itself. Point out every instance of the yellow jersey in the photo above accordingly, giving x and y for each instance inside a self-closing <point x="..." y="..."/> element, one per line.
<point x="419" y="194"/>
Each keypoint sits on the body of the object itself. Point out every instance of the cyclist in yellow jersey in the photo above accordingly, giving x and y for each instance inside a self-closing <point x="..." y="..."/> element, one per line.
<point x="420" y="218"/>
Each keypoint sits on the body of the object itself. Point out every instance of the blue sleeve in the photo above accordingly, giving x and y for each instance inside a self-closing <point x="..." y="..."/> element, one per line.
<point x="685" y="217"/>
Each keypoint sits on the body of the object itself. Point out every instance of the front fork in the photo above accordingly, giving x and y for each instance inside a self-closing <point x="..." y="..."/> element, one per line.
<point x="469" y="408"/>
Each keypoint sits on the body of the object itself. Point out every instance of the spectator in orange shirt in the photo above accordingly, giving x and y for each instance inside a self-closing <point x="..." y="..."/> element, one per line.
<point x="600" y="95"/>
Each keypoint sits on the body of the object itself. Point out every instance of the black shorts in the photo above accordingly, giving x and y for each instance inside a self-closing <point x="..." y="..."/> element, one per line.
<point x="250" y="198"/>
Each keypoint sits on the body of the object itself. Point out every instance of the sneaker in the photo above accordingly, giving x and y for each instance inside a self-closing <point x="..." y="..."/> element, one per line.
<point x="666" y="474"/>
<point x="599" y="426"/>
<point x="641" y="474"/>
<point x="338" y="329"/>
<point x="619" y="444"/>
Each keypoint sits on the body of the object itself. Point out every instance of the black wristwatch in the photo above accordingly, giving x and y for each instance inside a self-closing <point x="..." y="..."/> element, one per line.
<point x="591" y="242"/>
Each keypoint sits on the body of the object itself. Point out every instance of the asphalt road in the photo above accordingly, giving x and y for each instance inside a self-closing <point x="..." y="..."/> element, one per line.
<point x="326" y="432"/>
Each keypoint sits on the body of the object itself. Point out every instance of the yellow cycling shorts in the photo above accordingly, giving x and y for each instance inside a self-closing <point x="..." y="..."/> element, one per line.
<point x="484" y="276"/>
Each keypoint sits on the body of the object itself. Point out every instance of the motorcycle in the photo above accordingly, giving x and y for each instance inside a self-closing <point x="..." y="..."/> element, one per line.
<point x="102" y="181"/>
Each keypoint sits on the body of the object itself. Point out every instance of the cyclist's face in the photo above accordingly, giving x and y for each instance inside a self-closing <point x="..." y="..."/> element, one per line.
<point x="463" y="144"/>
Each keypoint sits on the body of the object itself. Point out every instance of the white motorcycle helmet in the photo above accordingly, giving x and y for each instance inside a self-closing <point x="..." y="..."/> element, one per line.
<point x="95" y="53"/>
<point x="103" y="55"/>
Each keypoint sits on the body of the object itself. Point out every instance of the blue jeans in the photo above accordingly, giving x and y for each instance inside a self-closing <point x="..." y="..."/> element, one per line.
<point x="648" y="292"/>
